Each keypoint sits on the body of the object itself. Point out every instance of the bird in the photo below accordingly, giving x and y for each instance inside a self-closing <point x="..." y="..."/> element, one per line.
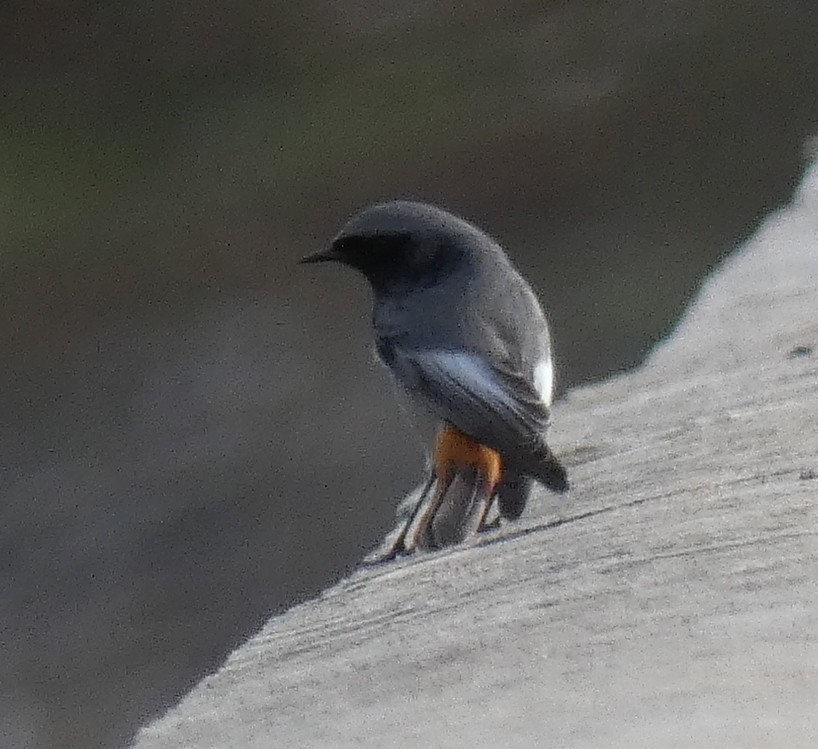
<point x="467" y="342"/>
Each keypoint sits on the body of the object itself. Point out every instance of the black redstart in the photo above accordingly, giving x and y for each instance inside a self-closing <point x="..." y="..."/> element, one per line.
<point x="465" y="337"/>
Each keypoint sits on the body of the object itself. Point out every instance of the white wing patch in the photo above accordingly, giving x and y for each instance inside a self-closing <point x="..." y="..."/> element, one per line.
<point x="544" y="380"/>
<point x="478" y="375"/>
<point x="503" y="409"/>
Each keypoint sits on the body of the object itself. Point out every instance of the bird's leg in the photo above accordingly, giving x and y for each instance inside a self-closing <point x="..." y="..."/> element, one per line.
<point x="390" y="549"/>
<point x="489" y="521"/>
<point x="406" y="541"/>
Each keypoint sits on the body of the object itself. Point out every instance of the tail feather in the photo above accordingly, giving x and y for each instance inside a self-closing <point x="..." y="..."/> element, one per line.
<point x="512" y="495"/>
<point x="549" y="471"/>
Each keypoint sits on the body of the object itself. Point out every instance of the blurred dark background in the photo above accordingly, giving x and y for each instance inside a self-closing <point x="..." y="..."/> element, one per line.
<point x="193" y="432"/>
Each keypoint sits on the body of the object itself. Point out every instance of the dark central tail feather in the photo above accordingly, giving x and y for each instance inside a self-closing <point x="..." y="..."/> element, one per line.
<point x="515" y="488"/>
<point x="512" y="495"/>
<point x="545" y="468"/>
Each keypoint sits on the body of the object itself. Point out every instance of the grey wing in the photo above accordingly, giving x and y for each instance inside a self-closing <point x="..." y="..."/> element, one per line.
<point x="497" y="407"/>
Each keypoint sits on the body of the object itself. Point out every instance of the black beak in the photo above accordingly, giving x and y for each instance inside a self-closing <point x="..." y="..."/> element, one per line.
<point x="325" y="255"/>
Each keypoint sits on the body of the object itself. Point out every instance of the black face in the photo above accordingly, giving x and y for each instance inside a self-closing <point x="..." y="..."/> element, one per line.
<point x="375" y="256"/>
<point x="393" y="260"/>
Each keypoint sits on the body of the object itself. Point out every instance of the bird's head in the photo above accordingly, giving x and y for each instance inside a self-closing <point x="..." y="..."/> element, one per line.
<point x="400" y="244"/>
